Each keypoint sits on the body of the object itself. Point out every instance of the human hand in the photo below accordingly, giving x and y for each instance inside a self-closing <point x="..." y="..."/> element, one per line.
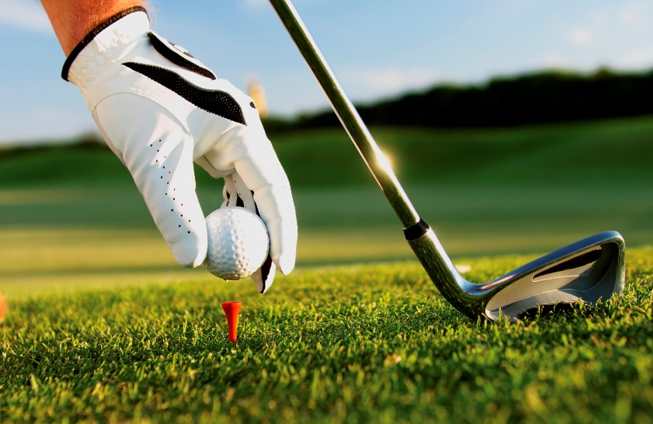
<point x="159" y="109"/>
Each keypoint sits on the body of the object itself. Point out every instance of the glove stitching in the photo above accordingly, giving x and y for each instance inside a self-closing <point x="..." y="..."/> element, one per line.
<point x="91" y="35"/>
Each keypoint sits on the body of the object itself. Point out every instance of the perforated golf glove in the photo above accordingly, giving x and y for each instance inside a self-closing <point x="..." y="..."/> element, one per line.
<point x="159" y="109"/>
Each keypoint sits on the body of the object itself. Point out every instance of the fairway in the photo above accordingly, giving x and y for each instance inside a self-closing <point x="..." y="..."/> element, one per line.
<point x="367" y="343"/>
<point x="104" y="326"/>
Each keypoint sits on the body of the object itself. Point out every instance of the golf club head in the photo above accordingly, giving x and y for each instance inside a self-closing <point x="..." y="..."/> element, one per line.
<point x="588" y="270"/>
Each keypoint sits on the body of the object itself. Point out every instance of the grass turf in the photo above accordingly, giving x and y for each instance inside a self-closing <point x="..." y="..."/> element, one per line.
<point x="367" y="343"/>
<point x="103" y="326"/>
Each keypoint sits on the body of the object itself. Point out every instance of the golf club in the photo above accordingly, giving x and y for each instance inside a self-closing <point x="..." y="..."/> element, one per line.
<point x="589" y="270"/>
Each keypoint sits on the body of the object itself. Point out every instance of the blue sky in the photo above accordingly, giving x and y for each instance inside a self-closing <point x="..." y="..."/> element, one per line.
<point x="377" y="48"/>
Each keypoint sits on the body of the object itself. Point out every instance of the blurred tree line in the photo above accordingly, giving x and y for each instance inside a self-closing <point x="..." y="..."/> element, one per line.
<point x="538" y="98"/>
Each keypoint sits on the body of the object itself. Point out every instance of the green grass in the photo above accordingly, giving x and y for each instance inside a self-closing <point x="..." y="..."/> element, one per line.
<point x="104" y="326"/>
<point x="372" y="343"/>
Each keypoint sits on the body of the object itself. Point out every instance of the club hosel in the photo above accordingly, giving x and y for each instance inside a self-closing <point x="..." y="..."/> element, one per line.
<point x="441" y="270"/>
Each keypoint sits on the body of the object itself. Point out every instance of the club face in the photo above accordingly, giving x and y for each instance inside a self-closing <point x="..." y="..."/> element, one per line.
<point x="588" y="270"/>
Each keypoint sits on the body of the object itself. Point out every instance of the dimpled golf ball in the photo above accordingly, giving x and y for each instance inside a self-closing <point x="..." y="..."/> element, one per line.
<point x="238" y="243"/>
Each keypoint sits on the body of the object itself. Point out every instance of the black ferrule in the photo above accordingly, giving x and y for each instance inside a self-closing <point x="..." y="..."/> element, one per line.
<point x="417" y="230"/>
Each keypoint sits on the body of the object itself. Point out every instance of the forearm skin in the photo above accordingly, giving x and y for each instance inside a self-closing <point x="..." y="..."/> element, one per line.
<point x="73" y="19"/>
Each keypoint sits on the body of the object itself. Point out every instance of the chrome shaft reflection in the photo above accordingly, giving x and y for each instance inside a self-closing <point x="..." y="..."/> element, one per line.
<point x="347" y="113"/>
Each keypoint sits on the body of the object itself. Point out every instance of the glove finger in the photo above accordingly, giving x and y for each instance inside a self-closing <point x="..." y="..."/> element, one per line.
<point x="159" y="155"/>
<point x="229" y="193"/>
<point x="247" y="150"/>
<point x="240" y="195"/>
<point x="275" y="206"/>
<point x="264" y="277"/>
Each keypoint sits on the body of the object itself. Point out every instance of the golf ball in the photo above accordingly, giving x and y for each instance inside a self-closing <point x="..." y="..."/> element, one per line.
<point x="238" y="243"/>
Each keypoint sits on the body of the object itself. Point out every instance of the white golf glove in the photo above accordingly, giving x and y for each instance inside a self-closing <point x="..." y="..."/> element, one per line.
<point x="159" y="109"/>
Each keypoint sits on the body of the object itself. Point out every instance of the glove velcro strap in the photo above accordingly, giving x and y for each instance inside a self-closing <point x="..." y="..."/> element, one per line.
<point x="91" y="35"/>
<point x="179" y="56"/>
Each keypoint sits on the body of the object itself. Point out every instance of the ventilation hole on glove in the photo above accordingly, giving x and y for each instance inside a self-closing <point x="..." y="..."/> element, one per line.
<point x="166" y="194"/>
<point x="165" y="168"/>
<point x="161" y="177"/>
<point x="172" y="210"/>
<point x="159" y="141"/>
<point x="174" y="189"/>
<point x="168" y="183"/>
<point x="173" y="198"/>
<point x="182" y="215"/>
<point x="189" y="232"/>
<point x="252" y="105"/>
<point x="179" y="225"/>
<point x="158" y="150"/>
<point x="189" y="220"/>
<point x="182" y="204"/>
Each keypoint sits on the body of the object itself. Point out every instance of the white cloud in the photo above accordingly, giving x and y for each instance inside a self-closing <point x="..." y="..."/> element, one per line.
<point x="255" y="4"/>
<point x="555" y="60"/>
<point x="581" y="36"/>
<point x="636" y="59"/>
<point x="27" y="15"/>
<point x="391" y="79"/>
<point x="617" y="19"/>
<point x="638" y="12"/>
<point x="628" y="15"/>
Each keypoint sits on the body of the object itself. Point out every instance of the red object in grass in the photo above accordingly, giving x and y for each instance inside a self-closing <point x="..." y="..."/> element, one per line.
<point x="3" y="307"/>
<point x="231" y="310"/>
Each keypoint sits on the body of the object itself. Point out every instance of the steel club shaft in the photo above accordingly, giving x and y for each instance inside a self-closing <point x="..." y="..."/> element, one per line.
<point x="347" y="113"/>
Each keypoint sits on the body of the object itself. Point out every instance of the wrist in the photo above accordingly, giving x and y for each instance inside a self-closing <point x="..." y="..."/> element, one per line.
<point x="118" y="30"/>
<point x="72" y="20"/>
